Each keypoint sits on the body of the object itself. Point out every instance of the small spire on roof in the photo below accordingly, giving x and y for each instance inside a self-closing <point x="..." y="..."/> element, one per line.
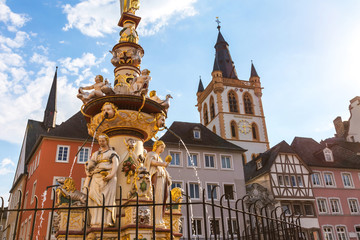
<point x="201" y="86"/>
<point x="218" y="22"/>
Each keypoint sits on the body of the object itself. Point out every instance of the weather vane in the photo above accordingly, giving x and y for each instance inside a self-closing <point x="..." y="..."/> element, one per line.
<point x="218" y="22"/>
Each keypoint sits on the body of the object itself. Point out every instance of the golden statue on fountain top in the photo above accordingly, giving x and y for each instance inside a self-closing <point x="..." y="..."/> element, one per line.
<point x="129" y="6"/>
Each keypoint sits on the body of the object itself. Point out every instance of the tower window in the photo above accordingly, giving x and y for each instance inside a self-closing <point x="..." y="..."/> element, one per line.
<point x="212" y="108"/>
<point x="248" y="104"/>
<point x="232" y="102"/>
<point x="255" y="131"/>
<point x="233" y="127"/>
<point x="328" y="155"/>
<point x="206" y="117"/>
<point x="214" y="129"/>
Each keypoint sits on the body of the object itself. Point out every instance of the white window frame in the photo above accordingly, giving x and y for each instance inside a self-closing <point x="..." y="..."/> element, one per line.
<point x="350" y="179"/>
<point x="217" y="190"/>
<point x="335" y="199"/>
<point x="198" y="160"/>
<point x="312" y="208"/>
<point x="357" y="232"/>
<point x="78" y="156"/>
<point x="285" y="182"/>
<point x="328" y="153"/>
<point x="259" y="164"/>
<point x="301" y="180"/>
<point x="231" y="162"/>
<point x="57" y="154"/>
<point x="232" y="222"/>
<point x="234" y="189"/>
<point x="332" y="231"/>
<point x="195" y="131"/>
<point x="357" y="205"/>
<point x="325" y="204"/>
<point x="201" y="226"/>
<point x="332" y="179"/>
<point x="293" y="184"/>
<point x="180" y="158"/>
<point x="210" y="229"/>
<point x="288" y="204"/>
<point x="282" y="179"/>
<point x="194" y="198"/>
<point x="215" y="160"/>
<point x="178" y="181"/>
<point x="346" y="232"/>
<point x="319" y="177"/>
<point x="33" y="191"/>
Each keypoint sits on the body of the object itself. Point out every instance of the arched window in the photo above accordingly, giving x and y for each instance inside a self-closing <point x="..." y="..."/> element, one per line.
<point x="253" y="156"/>
<point x="233" y="106"/>
<point x="206" y="117"/>
<point x="212" y="108"/>
<point x="234" y="129"/>
<point x="255" y="131"/>
<point x="214" y="129"/>
<point x="248" y="105"/>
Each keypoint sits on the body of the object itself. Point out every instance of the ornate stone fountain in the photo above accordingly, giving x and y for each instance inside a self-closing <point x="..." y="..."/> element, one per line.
<point x="122" y="117"/>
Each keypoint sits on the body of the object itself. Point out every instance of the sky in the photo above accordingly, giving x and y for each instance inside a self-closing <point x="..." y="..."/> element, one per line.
<point x="307" y="54"/>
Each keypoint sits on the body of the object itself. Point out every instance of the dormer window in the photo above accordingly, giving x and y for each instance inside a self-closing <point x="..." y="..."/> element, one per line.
<point x="258" y="164"/>
<point x="328" y="155"/>
<point x="197" y="133"/>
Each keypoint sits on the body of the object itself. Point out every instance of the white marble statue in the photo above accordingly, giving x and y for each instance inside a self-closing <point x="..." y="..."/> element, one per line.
<point x="160" y="178"/>
<point x="97" y="92"/>
<point x="101" y="180"/>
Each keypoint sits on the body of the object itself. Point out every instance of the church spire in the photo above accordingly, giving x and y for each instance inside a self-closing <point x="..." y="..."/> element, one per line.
<point x="50" y="110"/>
<point x="223" y="61"/>
<point x="253" y="71"/>
<point x="201" y="86"/>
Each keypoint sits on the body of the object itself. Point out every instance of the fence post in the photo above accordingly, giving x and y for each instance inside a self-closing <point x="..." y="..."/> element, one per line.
<point x="222" y="215"/>
<point x="171" y="217"/>
<point x="68" y="219"/>
<point x="86" y="212"/>
<point x="17" y="214"/>
<point x="213" y="211"/>
<point x="52" y="213"/>
<point x="204" y="214"/>
<point x="34" y="220"/>
<point x="119" y="222"/>
<point x="187" y="212"/>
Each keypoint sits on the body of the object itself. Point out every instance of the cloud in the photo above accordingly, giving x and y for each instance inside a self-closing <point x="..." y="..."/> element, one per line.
<point x="19" y="41"/>
<point x="13" y="20"/>
<point x="95" y="18"/>
<point x="7" y="166"/>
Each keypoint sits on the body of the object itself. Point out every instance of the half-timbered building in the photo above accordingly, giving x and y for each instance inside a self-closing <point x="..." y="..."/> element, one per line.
<point x="287" y="178"/>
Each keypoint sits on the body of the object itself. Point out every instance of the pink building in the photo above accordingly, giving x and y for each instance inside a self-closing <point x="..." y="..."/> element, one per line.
<point x="335" y="178"/>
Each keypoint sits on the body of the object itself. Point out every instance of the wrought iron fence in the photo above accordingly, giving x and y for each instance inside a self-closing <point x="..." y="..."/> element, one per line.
<point x="223" y="218"/>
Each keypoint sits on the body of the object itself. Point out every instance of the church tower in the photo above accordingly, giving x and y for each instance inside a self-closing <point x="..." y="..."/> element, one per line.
<point x="50" y="110"/>
<point x="232" y="108"/>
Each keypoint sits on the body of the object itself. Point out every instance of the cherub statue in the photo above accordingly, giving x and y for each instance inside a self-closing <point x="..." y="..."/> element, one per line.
<point x="107" y="88"/>
<point x="85" y="96"/>
<point x="154" y="97"/>
<point x="108" y="110"/>
<point x="140" y="84"/>
<point x="115" y="60"/>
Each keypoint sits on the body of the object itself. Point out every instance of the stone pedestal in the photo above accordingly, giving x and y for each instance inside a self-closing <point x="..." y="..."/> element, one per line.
<point x="76" y="224"/>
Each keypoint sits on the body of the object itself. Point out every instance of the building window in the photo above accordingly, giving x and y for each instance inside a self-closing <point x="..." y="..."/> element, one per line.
<point x="297" y="209"/>
<point x="206" y="117"/>
<point x="175" y="184"/>
<point x="211" y="187"/>
<point x="226" y="162"/>
<point x="335" y="206"/>
<point x="286" y="208"/>
<point x="84" y="155"/>
<point x="248" y="104"/>
<point x="341" y="233"/>
<point x="287" y="180"/>
<point x="229" y="191"/>
<point x="255" y="132"/>
<point x="193" y="160"/>
<point x="214" y="227"/>
<point x="234" y="129"/>
<point x="243" y="156"/>
<point x="309" y="211"/>
<point x="62" y="153"/>
<point x="328" y="155"/>
<point x="197" y="133"/>
<point x="212" y="108"/>
<point x="280" y="180"/>
<point x="233" y="229"/>
<point x="232" y="102"/>
<point x="328" y="233"/>
<point x="209" y="161"/>
<point x="329" y="179"/>
<point x="196" y="227"/>
<point x="33" y="192"/>
<point x="357" y="229"/>
<point x="214" y="129"/>
<point x="315" y="177"/>
<point x="175" y="159"/>
<point x="258" y="164"/>
<point x="322" y="205"/>
<point x="293" y="181"/>
<point x="194" y="191"/>
<point x="300" y="181"/>
<point x="347" y="180"/>
<point x="353" y="206"/>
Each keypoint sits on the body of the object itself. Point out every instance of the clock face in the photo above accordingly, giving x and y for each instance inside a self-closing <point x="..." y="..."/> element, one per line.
<point x="244" y="126"/>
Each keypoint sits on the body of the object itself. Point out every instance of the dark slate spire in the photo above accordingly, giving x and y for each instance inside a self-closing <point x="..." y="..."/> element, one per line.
<point x="253" y="71"/>
<point x="50" y="110"/>
<point x="223" y="61"/>
<point x="201" y="86"/>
